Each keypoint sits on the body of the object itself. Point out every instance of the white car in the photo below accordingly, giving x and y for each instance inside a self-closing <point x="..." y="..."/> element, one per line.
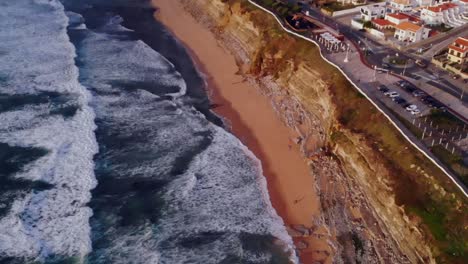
<point x="411" y="107"/>
<point x="393" y="94"/>
<point x="415" y="112"/>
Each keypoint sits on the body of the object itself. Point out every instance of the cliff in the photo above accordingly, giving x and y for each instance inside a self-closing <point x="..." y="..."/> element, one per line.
<point x="381" y="200"/>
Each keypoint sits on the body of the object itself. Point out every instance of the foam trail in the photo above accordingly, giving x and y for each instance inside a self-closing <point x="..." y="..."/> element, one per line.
<point x="46" y="109"/>
<point x="188" y="191"/>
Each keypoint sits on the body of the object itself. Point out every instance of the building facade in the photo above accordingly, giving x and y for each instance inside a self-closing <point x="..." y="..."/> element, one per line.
<point x="409" y="32"/>
<point x="371" y="12"/>
<point x="458" y="51"/>
<point x="446" y="13"/>
<point x="401" y="5"/>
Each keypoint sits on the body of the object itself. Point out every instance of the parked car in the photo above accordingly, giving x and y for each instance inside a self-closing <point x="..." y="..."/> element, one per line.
<point x="415" y="112"/>
<point x="418" y="93"/>
<point x="427" y="99"/>
<point x="409" y="88"/>
<point x="382" y="87"/>
<point x="421" y="63"/>
<point x="393" y="94"/>
<point x="401" y="83"/>
<point x="399" y="100"/>
<point x="411" y="107"/>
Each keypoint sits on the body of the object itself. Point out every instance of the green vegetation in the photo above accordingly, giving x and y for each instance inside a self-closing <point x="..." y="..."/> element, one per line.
<point x="414" y="129"/>
<point x="445" y="120"/>
<point x="368" y="24"/>
<point x="441" y="28"/>
<point x="279" y="7"/>
<point x="336" y="6"/>
<point x="397" y="60"/>
<point x="454" y="162"/>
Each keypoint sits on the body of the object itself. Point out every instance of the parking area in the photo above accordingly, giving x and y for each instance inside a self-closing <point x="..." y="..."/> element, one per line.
<point x="404" y="98"/>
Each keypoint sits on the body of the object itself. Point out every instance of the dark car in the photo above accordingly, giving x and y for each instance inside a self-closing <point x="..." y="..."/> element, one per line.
<point x="383" y="88"/>
<point x="437" y="105"/>
<point x="399" y="100"/>
<point x="401" y="83"/>
<point x="418" y="93"/>
<point x="409" y="88"/>
<point x="421" y="63"/>
<point x="427" y="99"/>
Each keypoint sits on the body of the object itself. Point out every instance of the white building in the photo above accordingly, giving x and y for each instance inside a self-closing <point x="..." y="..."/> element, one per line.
<point x="402" y="5"/>
<point x="354" y="2"/>
<point x="462" y="5"/>
<point x="371" y="12"/>
<point x="409" y="32"/>
<point x="446" y="13"/>
<point x="423" y="3"/>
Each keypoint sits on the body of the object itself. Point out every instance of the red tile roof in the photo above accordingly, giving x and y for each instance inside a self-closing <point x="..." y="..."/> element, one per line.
<point x="458" y="48"/>
<point x="382" y="22"/>
<point x="398" y="16"/>
<point x="441" y="7"/>
<point x="408" y="26"/>
<point x="462" y="41"/>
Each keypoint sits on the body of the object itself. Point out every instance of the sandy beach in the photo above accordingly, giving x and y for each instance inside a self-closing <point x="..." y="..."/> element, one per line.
<point x="252" y="117"/>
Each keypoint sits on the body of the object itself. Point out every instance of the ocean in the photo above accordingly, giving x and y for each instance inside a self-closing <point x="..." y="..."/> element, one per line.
<point x="109" y="152"/>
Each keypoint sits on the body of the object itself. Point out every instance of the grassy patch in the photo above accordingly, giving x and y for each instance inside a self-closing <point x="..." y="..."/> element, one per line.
<point x="397" y="60"/>
<point x="336" y="6"/>
<point x="441" y="28"/>
<point x="445" y="120"/>
<point x="454" y="162"/>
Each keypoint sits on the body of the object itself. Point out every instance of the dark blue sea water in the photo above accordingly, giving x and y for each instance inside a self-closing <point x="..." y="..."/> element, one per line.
<point x="108" y="150"/>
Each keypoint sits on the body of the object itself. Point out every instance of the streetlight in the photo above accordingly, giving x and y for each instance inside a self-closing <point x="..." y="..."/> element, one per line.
<point x="375" y="72"/>
<point x="346" y="59"/>
<point x="404" y="69"/>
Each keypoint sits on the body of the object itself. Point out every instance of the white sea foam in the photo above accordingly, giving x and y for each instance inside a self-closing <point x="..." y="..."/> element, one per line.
<point x="38" y="56"/>
<point x="230" y="195"/>
<point x="222" y="190"/>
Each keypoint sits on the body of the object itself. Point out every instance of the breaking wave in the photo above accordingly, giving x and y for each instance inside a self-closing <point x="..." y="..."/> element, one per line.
<point x="173" y="186"/>
<point x="47" y="139"/>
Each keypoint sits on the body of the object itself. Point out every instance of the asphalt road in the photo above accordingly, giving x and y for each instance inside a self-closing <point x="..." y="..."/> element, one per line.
<point x="376" y="52"/>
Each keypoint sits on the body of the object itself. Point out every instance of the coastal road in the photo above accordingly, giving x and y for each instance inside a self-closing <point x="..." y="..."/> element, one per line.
<point x="376" y="52"/>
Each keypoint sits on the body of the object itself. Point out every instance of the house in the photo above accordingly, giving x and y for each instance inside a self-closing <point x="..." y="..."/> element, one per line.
<point x="458" y="51"/>
<point x="381" y="24"/>
<point x="401" y="5"/>
<point x="423" y="3"/>
<point x="396" y="18"/>
<point x="371" y="12"/>
<point x="353" y="2"/>
<point x="409" y="32"/>
<point x="462" y="5"/>
<point x="446" y="13"/>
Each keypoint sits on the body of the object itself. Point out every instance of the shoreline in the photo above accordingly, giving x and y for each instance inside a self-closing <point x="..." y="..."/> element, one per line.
<point x="253" y="121"/>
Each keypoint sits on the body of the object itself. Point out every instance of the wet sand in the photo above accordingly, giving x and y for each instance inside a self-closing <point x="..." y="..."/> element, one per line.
<point x="251" y="115"/>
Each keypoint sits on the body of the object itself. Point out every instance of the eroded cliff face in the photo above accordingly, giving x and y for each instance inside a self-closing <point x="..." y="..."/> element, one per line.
<point x="362" y="192"/>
